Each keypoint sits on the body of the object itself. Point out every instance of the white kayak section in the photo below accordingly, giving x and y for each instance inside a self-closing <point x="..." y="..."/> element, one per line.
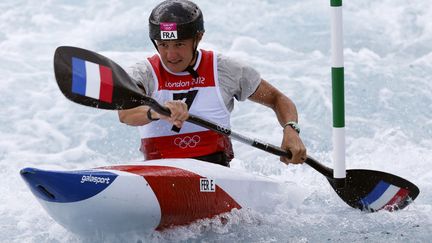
<point x="151" y="195"/>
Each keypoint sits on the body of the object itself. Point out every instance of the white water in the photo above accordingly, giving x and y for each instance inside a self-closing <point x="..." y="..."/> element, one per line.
<point x="388" y="56"/>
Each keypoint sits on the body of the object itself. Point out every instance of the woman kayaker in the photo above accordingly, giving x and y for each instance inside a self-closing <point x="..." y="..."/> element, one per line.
<point x="187" y="79"/>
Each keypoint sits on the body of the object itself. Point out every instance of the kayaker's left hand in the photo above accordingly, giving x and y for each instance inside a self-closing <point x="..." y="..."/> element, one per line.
<point x="292" y="142"/>
<point x="179" y="112"/>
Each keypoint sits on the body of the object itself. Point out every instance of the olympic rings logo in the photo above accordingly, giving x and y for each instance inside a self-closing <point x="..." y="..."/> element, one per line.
<point x="187" y="141"/>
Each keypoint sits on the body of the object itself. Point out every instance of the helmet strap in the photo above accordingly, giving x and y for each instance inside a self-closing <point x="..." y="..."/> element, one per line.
<point x="189" y="68"/>
<point x="155" y="45"/>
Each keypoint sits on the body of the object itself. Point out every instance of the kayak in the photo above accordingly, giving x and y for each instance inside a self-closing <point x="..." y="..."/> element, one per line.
<point x="152" y="195"/>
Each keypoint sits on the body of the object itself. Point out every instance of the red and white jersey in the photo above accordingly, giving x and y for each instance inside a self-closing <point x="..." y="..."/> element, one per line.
<point x="159" y="139"/>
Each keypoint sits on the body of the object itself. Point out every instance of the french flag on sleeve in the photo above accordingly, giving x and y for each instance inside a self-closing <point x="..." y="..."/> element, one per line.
<point x="384" y="195"/>
<point x="92" y="80"/>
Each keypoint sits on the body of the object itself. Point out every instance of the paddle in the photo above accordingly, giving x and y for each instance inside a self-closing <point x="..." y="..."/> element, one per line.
<point x="77" y="70"/>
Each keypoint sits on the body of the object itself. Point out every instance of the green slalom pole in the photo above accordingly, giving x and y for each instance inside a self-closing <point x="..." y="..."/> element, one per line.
<point x="339" y="172"/>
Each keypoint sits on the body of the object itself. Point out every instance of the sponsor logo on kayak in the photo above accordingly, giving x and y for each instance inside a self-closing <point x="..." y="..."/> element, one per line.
<point x="187" y="142"/>
<point x="207" y="185"/>
<point x="95" y="179"/>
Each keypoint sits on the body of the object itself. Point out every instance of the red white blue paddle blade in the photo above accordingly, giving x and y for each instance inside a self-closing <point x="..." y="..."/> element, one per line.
<point x="371" y="190"/>
<point x="93" y="80"/>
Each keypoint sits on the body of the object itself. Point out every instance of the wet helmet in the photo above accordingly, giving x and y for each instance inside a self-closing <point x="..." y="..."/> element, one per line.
<point x="175" y="20"/>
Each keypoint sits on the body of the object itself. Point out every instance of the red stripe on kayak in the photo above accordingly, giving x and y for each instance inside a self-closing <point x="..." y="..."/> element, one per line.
<point x="397" y="199"/>
<point x="179" y="196"/>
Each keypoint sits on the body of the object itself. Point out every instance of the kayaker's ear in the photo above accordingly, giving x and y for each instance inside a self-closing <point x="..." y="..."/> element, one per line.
<point x="200" y="36"/>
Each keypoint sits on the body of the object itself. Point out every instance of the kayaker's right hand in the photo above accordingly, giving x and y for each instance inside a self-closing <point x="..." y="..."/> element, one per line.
<point x="179" y="113"/>
<point x="292" y="142"/>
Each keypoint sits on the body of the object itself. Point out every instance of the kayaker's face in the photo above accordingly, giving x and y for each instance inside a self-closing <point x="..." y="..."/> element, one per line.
<point x="176" y="55"/>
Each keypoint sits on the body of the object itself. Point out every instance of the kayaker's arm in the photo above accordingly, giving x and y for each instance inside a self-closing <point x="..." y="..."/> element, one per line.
<point x="139" y="116"/>
<point x="135" y="117"/>
<point x="285" y="111"/>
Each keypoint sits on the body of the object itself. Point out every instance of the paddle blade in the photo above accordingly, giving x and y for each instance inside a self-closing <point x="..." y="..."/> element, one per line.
<point x="371" y="190"/>
<point x="91" y="79"/>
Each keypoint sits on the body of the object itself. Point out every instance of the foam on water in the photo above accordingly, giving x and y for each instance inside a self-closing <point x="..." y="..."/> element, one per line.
<point x="388" y="93"/>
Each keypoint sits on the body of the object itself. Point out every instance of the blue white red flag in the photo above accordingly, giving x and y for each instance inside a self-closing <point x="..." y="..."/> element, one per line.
<point x="92" y="80"/>
<point x="383" y="195"/>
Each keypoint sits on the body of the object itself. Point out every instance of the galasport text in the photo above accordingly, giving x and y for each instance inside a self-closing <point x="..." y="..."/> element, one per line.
<point x="95" y="179"/>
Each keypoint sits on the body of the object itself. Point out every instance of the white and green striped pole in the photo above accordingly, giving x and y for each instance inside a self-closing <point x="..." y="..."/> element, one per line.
<point x="339" y="172"/>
